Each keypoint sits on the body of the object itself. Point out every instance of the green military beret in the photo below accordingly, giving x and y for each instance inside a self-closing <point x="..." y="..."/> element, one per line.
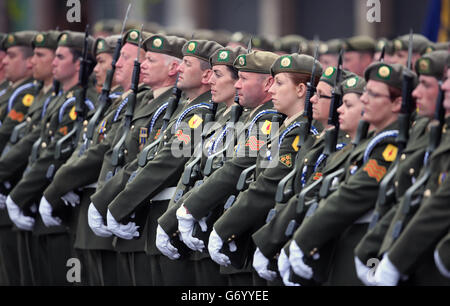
<point x="390" y="74"/>
<point x="226" y="56"/>
<point x="240" y="38"/>
<point x="2" y="40"/>
<point x="291" y="43"/>
<point x="432" y="64"/>
<point x="112" y="26"/>
<point x="360" y="43"/>
<point x="170" y="45"/>
<point x="262" y="43"/>
<point x="442" y="46"/>
<point x="387" y="44"/>
<point x="332" y="46"/>
<point x="353" y="84"/>
<point x="255" y="61"/>
<point x="296" y="63"/>
<point x="132" y="37"/>
<point x="202" y="49"/>
<point x="74" y="40"/>
<point x="23" y="38"/>
<point x="420" y="43"/>
<point x="105" y="45"/>
<point x="329" y="75"/>
<point x="47" y="40"/>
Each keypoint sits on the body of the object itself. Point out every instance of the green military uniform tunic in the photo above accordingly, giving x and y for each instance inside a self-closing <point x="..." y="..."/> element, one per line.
<point x="410" y="163"/>
<point x="412" y="252"/>
<point x="337" y="215"/>
<point x="252" y="205"/>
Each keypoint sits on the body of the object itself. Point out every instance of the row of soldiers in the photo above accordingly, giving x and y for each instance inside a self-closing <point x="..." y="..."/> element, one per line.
<point x="157" y="160"/>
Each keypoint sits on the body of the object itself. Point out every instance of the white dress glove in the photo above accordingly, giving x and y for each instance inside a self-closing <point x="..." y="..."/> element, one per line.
<point x="45" y="210"/>
<point x="297" y="263"/>
<point x="386" y="274"/>
<point x="71" y="198"/>
<point x="364" y="273"/>
<point x="124" y="231"/>
<point x="284" y="269"/>
<point x="16" y="215"/>
<point x="186" y="225"/>
<point x="95" y="221"/>
<point x="215" y="243"/>
<point x="163" y="244"/>
<point x="260" y="264"/>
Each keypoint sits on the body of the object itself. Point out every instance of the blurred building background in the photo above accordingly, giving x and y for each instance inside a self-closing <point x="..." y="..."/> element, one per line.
<point x="325" y="18"/>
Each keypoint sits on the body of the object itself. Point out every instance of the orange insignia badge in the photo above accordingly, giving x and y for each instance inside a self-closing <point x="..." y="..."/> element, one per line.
<point x="374" y="170"/>
<point x="286" y="160"/>
<point x="195" y="122"/>
<point x="267" y="126"/>
<point x="390" y="153"/>
<point x="317" y="176"/>
<point x="183" y="137"/>
<point x="64" y="130"/>
<point x="16" y="116"/>
<point x="254" y="144"/>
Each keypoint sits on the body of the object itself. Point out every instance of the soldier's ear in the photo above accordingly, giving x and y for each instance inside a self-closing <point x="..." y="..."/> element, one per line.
<point x="396" y="105"/>
<point x="173" y="68"/>
<point x="300" y="90"/>
<point x="206" y="75"/>
<point x="268" y="82"/>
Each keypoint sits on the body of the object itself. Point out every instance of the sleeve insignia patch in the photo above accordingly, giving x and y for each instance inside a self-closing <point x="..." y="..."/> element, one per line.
<point x="254" y="144"/>
<point x="295" y="143"/>
<point x="157" y="134"/>
<point x="73" y="114"/>
<point x="16" y="116"/>
<point x="286" y="160"/>
<point x="28" y="100"/>
<point x="143" y="134"/>
<point x="317" y="176"/>
<point x="64" y="130"/>
<point x="267" y="126"/>
<point x="390" y="153"/>
<point x="183" y="137"/>
<point x="195" y="122"/>
<point x="374" y="170"/>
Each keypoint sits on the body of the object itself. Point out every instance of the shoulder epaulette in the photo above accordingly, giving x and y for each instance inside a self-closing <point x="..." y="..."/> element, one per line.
<point x="376" y="140"/>
<point x="261" y="113"/>
<point x="119" y="109"/>
<point x="189" y="109"/>
<point x="17" y="92"/>
<point x="156" y="115"/>
<point x="70" y="101"/>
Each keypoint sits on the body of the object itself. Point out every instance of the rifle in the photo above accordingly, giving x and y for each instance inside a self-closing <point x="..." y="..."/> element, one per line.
<point x="118" y="154"/>
<point x="104" y="99"/>
<point x="66" y="144"/>
<point x="386" y="190"/>
<point x="148" y="153"/>
<point x="284" y="193"/>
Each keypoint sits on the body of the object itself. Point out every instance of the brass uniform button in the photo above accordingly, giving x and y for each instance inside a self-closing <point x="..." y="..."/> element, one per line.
<point x="50" y="132"/>
<point x="313" y="251"/>
<point x="132" y="127"/>
<point x="427" y="193"/>
<point x="125" y="152"/>
<point x="403" y="157"/>
<point x="47" y="125"/>
<point x="347" y="136"/>
<point x="306" y="160"/>
<point x="411" y="171"/>
<point x="28" y="119"/>
<point x="396" y="184"/>
<point x="44" y="145"/>
<point x="85" y="123"/>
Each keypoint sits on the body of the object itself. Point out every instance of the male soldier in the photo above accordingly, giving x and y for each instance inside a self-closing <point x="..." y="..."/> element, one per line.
<point x="329" y="52"/>
<point x="165" y="167"/>
<point x="95" y="251"/>
<point x="358" y="54"/>
<point x="222" y="81"/>
<point x="442" y="252"/>
<point x="421" y="45"/>
<point x="422" y="226"/>
<point x="15" y="100"/>
<point x="59" y="118"/>
<point x="20" y="94"/>
<point x="253" y="86"/>
<point x="388" y="46"/>
<point x="343" y="212"/>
